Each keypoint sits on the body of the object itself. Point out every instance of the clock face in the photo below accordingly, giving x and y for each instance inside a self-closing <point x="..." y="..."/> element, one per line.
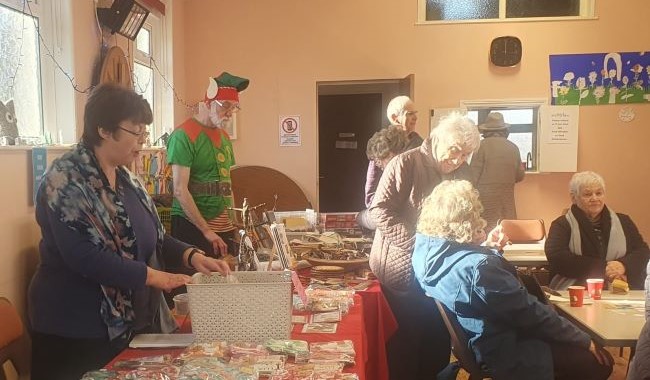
<point x="505" y="51"/>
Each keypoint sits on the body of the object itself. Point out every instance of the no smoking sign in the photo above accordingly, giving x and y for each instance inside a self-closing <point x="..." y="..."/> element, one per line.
<point x="289" y="130"/>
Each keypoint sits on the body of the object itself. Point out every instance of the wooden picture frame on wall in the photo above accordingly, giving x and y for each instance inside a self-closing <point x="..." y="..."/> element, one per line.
<point x="231" y="127"/>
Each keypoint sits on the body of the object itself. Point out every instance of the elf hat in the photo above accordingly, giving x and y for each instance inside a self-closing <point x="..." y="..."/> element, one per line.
<point x="225" y="87"/>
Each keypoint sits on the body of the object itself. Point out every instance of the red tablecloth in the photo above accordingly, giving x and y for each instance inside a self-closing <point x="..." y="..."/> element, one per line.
<point x="369" y="324"/>
<point x="351" y="327"/>
<point x="380" y="324"/>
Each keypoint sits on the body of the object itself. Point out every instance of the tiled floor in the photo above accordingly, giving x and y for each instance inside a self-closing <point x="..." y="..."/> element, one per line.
<point x="619" y="372"/>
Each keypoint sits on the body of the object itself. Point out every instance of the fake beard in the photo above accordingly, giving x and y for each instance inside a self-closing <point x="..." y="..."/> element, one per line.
<point x="219" y="122"/>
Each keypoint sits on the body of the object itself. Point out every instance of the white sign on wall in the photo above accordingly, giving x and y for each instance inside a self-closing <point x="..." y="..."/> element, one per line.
<point x="558" y="148"/>
<point x="290" y="130"/>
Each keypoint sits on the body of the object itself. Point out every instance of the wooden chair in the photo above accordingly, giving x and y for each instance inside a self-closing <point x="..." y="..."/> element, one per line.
<point x="524" y="230"/>
<point x="14" y="342"/>
<point x="459" y="345"/>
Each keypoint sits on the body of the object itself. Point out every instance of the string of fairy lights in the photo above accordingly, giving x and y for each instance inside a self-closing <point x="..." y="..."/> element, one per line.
<point x="27" y="10"/>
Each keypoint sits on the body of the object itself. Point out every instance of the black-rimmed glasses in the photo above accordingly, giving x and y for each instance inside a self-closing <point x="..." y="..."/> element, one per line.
<point x="144" y="134"/>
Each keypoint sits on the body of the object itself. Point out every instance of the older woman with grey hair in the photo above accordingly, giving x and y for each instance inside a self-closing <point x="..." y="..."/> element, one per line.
<point x="420" y="347"/>
<point x="382" y="147"/>
<point x="592" y="241"/>
<point x="512" y="334"/>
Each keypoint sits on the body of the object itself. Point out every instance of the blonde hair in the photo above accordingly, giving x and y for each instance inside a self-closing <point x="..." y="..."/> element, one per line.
<point x="452" y="212"/>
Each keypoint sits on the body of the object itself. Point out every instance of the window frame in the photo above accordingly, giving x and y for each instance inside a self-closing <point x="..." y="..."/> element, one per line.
<point x="509" y="104"/>
<point x="154" y="24"/>
<point x="45" y="12"/>
<point x="587" y="10"/>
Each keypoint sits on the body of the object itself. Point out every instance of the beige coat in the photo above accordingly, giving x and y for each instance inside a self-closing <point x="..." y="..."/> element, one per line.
<point x="496" y="167"/>
<point x="407" y="180"/>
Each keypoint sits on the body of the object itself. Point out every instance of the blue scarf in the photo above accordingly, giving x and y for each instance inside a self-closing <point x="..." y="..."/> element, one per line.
<point x="80" y="195"/>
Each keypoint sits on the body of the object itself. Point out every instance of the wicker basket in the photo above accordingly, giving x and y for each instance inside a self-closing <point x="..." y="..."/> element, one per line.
<point x="254" y="310"/>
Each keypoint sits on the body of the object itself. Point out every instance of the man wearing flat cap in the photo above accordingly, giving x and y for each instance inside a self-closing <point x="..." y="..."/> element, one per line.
<point x="200" y="154"/>
<point x="496" y="167"/>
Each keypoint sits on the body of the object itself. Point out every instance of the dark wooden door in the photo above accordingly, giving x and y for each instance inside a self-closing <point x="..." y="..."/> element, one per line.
<point x="345" y="123"/>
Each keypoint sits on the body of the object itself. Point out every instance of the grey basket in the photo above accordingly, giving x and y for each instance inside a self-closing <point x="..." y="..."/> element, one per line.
<point x="254" y="310"/>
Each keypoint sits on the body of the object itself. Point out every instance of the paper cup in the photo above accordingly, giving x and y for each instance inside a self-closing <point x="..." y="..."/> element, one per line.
<point x="595" y="287"/>
<point x="182" y="304"/>
<point x="576" y="295"/>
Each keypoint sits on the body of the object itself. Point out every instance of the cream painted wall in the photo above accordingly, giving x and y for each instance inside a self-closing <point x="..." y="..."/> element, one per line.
<point x="286" y="46"/>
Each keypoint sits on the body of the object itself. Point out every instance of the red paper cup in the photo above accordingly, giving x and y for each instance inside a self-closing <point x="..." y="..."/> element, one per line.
<point x="576" y="295"/>
<point x="595" y="287"/>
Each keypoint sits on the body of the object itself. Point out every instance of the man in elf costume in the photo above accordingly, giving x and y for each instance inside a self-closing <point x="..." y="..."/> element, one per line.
<point x="200" y="154"/>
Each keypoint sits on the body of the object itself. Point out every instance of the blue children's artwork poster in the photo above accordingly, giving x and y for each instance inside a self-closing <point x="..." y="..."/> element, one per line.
<point x="600" y="78"/>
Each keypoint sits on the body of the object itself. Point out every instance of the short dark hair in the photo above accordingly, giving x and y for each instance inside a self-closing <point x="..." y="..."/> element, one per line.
<point x="110" y="104"/>
<point x="390" y="140"/>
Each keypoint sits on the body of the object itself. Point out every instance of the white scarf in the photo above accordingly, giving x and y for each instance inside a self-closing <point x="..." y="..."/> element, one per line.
<point x="616" y="247"/>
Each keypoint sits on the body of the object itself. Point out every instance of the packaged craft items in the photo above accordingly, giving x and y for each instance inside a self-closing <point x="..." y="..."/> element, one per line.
<point x="276" y="359"/>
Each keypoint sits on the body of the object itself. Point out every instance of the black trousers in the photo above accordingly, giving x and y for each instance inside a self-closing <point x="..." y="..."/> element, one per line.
<point x="420" y="348"/>
<point x="572" y="362"/>
<point x="183" y="230"/>
<point x="59" y="358"/>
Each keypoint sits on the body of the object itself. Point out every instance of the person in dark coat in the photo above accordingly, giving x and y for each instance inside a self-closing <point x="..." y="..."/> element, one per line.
<point x="592" y="241"/>
<point x="496" y="167"/>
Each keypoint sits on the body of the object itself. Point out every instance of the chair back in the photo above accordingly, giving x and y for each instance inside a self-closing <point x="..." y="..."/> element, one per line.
<point x="460" y="344"/>
<point x="14" y="343"/>
<point x="524" y="230"/>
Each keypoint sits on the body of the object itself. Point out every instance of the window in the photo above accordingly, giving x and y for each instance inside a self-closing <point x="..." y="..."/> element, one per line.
<point x="522" y="130"/>
<point x="20" y="66"/>
<point x="502" y="10"/>
<point x="148" y="59"/>
<point x="523" y="117"/>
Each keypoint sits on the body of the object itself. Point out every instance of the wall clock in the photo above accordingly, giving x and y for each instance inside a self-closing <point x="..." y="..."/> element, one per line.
<point x="505" y="51"/>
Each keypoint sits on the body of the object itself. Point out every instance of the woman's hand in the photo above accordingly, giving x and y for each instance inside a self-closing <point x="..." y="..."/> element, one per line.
<point x="207" y="265"/>
<point x="218" y="245"/>
<point x="615" y="270"/>
<point x="496" y="239"/>
<point x="165" y="281"/>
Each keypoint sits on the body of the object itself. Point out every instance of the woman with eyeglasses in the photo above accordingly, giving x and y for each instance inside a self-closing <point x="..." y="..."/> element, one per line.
<point x="420" y="348"/>
<point x="101" y="278"/>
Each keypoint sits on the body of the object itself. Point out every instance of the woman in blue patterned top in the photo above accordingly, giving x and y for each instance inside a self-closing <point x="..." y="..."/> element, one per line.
<point x="101" y="279"/>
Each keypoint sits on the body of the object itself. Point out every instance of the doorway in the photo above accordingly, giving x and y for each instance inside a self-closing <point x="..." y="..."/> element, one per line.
<point x="349" y="113"/>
